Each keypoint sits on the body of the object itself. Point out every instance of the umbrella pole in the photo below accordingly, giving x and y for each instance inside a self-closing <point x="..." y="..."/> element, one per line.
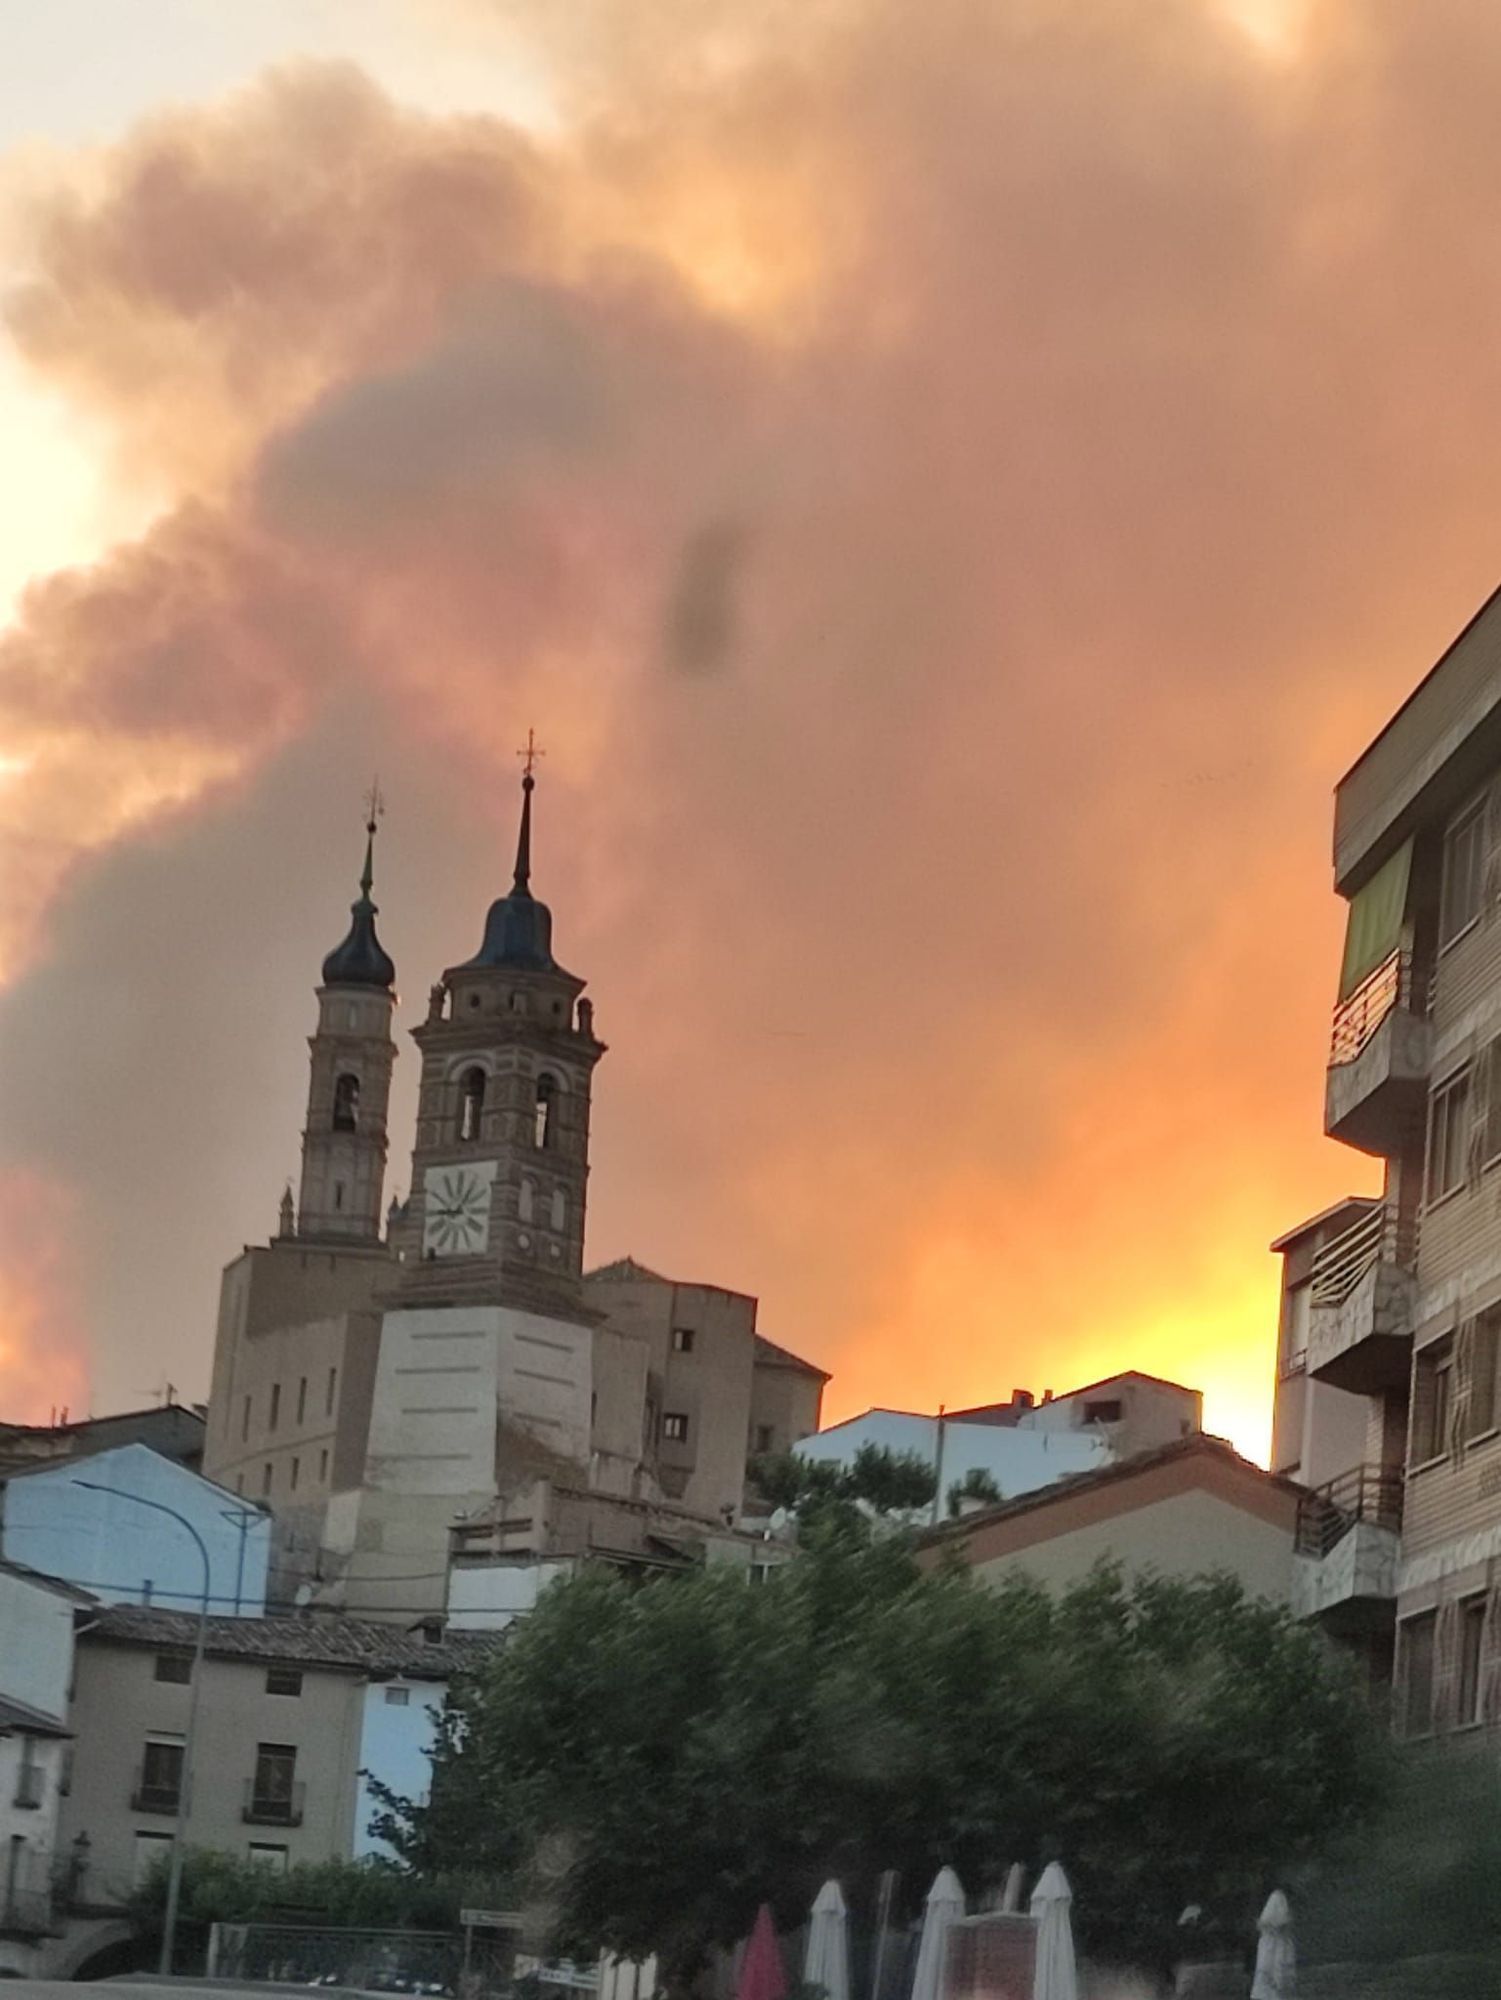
<point x="883" y="1922"/>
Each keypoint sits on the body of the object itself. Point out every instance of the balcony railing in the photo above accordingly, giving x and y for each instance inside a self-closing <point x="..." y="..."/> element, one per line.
<point x="155" y="1795"/>
<point x="1357" y="1018"/>
<point x="1380" y="1236"/>
<point x="1370" y="1493"/>
<point x="31" y="1787"/>
<point x="285" y="1809"/>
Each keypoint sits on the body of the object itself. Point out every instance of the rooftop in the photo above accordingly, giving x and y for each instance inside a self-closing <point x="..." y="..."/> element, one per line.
<point x="20" y="1718"/>
<point x="318" y="1639"/>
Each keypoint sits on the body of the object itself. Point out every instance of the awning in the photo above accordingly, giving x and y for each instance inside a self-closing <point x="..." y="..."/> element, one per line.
<point x="1374" y="930"/>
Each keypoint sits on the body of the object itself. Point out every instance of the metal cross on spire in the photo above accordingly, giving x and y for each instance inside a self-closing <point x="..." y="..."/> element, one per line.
<point x="375" y="805"/>
<point x="529" y="755"/>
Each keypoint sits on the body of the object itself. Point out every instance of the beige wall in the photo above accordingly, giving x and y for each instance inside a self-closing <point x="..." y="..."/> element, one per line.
<point x="785" y="1406"/>
<point x="119" y="1704"/>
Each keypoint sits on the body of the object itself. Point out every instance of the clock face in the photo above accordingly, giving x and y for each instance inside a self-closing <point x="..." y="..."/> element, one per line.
<point x="456" y="1209"/>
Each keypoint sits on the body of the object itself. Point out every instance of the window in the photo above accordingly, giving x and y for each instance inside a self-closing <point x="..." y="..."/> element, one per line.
<point x="1471" y="1650"/>
<point x="1464" y="868"/>
<point x="524" y="1200"/>
<point x="1484" y="1355"/>
<point x="265" y="1854"/>
<point x="398" y="1697"/>
<point x="177" y="1667"/>
<point x="296" y="1472"/>
<point x="682" y="1340"/>
<point x="31" y="1778"/>
<point x="518" y="1003"/>
<point x="765" y="1439"/>
<point x="275" y="1416"/>
<point x="347" y="1104"/>
<point x="543" y="1129"/>
<point x="265" y="1478"/>
<point x="283" y="1680"/>
<point x="271" y="1789"/>
<point x="302" y="1399"/>
<point x="150" y="1852"/>
<point x="1432" y="1400"/>
<point x="323" y="1464"/>
<point x="1295" y="1328"/>
<point x="1417" y="1663"/>
<point x="239" y="1482"/>
<point x="675" y="1426"/>
<point x="559" y="1209"/>
<point x="338" y="1194"/>
<point x="161" y="1776"/>
<point x="1106" y="1411"/>
<point x="245" y="1421"/>
<point x="1448" y="1135"/>
<point x="471" y="1103"/>
<point x="328" y="1400"/>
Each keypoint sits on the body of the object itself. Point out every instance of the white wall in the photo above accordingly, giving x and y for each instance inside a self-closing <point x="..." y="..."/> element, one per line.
<point x="398" y="1730"/>
<point x="1018" y="1461"/>
<point x="127" y="1553"/>
<point x="36" y="1644"/>
<point x="444" y="1374"/>
<point x="487" y="1598"/>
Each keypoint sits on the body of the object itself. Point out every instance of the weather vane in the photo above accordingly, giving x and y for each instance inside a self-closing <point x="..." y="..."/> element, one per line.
<point x="531" y="753"/>
<point x="375" y="805"/>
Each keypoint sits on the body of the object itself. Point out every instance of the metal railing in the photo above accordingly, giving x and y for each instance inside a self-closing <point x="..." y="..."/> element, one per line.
<point x="1371" y="1493"/>
<point x="1380" y="1236"/>
<point x="155" y="1795"/>
<point x="282" y="1808"/>
<point x="1356" y="1018"/>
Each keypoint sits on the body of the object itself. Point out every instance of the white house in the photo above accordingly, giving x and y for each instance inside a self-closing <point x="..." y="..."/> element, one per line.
<point x="36" y="1671"/>
<point x="105" y="1523"/>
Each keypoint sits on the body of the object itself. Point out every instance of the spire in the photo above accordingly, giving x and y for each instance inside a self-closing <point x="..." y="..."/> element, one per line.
<point x="518" y="929"/>
<point x="360" y="960"/>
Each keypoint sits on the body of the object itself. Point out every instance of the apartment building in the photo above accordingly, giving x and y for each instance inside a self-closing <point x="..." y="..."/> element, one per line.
<point x="295" y="1715"/>
<point x="1395" y="1301"/>
<point x="36" y="1672"/>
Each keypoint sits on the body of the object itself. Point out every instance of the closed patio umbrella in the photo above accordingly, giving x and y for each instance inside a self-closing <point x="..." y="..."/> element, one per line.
<point x="1056" y="1977"/>
<point x="1276" y="1960"/>
<point x="945" y="1903"/>
<point x="826" y="1960"/>
<point x="762" y="1974"/>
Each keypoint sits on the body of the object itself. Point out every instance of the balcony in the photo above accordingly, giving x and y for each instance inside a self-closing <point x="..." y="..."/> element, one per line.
<point x="1361" y="1299"/>
<point x="1379" y="1056"/>
<point x="1348" y="1538"/>
<point x="155" y="1795"/>
<point x="285" y="1809"/>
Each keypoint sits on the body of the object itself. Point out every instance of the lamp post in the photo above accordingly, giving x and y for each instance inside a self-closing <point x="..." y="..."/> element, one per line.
<point x="185" y="1788"/>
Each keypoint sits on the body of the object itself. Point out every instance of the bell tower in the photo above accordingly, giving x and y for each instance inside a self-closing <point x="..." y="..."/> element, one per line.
<point x="501" y="1163"/>
<point x="344" y="1140"/>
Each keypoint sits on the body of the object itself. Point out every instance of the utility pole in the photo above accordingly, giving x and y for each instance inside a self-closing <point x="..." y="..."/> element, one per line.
<point x="938" y="1469"/>
<point x="185" y="1788"/>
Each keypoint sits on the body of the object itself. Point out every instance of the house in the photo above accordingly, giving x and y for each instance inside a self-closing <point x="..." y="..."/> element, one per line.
<point x="36" y="1673"/>
<point x="296" y="1715"/>
<point x="169" y="1428"/>
<point x="126" y="1524"/>
<point x="1187" y="1508"/>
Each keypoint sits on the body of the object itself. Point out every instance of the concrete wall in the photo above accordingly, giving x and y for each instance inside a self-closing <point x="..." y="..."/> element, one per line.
<point x="120" y="1703"/>
<point x="1018" y="1461"/>
<point x="398" y="1730"/>
<point x="36" y="1644"/>
<point x="488" y="1597"/>
<point x="785" y="1406"/>
<point x="127" y="1553"/>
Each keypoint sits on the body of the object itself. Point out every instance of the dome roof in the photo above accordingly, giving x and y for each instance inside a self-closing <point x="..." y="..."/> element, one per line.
<point x="361" y="960"/>
<point x="518" y="929"/>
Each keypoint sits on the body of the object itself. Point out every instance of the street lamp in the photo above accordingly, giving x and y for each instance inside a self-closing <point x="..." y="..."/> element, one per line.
<point x="184" y="1790"/>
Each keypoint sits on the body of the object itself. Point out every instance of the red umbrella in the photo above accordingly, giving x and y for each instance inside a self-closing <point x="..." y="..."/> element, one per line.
<point x="762" y="1974"/>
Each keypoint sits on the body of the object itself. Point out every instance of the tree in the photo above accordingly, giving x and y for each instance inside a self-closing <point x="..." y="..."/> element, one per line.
<point x="663" y="1758"/>
<point x="977" y="1485"/>
<point x="823" y="1495"/>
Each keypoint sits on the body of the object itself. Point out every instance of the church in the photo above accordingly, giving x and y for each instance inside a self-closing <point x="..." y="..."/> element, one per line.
<point x="440" y="1406"/>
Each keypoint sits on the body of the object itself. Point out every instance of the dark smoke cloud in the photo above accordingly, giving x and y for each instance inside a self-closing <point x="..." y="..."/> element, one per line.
<point x="950" y="485"/>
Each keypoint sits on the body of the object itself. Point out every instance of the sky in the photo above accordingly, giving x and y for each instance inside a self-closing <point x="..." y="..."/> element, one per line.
<point x="950" y="487"/>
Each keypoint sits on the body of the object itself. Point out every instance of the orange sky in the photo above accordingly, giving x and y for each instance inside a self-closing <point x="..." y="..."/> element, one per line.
<point x="951" y="486"/>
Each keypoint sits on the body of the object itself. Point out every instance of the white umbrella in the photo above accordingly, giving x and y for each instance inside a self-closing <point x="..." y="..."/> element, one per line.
<point x="1276" y="1960"/>
<point x="826" y="1961"/>
<point x="945" y="1903"/>
<point x="1056" y="1977"/>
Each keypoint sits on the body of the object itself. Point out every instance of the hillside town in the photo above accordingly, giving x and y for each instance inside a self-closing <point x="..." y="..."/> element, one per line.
<point x="234" y="1626"/>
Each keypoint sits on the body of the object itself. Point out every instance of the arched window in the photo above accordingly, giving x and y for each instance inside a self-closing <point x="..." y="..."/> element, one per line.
<point x="471" y="1104"/>
<point x="544" y="1130"/>
<point x="524" y="1201"/>
<point x="346" y="1103"/>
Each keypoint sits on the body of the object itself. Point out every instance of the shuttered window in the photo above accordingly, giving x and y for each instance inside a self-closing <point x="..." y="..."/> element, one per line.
<point x="1464" y="870"/>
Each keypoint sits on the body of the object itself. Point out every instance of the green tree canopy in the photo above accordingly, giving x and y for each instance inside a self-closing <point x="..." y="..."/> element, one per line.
<point x="825" y="1496"/>
<point x="660" y="1759"/>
